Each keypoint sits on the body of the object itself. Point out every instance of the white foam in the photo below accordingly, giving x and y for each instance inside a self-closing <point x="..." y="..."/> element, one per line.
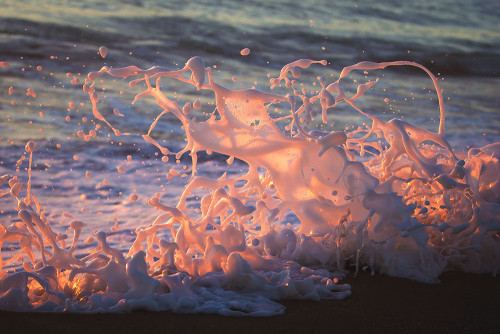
<point x="393" y="204"/>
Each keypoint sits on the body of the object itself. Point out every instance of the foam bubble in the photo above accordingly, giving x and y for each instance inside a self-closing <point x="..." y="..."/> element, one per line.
<point x="103" y="51"/>
<point x="245" y="52"/>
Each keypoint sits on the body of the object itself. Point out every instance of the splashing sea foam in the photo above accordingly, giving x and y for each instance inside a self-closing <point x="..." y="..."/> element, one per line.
<point x="391" y="197"/>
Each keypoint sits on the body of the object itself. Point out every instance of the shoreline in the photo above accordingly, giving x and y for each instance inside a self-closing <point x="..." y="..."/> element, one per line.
<point x="461" y="303"/>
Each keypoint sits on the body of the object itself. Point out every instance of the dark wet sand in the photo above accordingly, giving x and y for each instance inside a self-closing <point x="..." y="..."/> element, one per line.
<point x="379" y="304"/>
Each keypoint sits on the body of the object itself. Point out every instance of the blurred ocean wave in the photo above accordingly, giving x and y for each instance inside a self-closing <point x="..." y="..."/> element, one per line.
<point x="459" y="37"/>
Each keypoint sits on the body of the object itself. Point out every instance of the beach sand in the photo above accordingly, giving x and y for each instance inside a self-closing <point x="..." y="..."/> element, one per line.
<point x="461" y="303"/>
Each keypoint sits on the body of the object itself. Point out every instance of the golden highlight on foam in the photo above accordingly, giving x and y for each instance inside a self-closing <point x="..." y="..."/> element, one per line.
<point x="389" y="197"/>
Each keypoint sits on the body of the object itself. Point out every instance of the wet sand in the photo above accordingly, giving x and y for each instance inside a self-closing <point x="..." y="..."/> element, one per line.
<point x="461" y="303"/>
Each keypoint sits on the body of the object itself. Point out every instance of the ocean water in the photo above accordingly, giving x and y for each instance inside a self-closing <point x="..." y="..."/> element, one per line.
<point x="50" y="45"/>
<point x="457" y="40"/>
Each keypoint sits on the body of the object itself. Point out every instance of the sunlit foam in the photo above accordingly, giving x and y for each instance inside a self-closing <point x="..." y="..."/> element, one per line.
<point x="388" y="197"/>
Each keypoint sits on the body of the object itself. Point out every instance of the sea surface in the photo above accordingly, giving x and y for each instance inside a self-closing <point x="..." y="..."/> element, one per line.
<point x="50" y="43"/>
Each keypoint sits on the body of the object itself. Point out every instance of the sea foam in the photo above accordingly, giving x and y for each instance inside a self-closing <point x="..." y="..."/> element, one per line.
<point x="388" y="197"/>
